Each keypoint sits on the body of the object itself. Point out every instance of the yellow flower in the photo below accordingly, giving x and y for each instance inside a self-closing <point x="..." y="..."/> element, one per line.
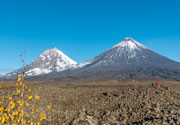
<point x="29" y="90"/>
<point x="27" y="104"/>
<point x="16" y="113"/>
<point x="19" y="120"/>
<point x="21" y="115"/>
<point x="19" y="79"/>
<point x="22" y="94"/>
<point x="48" y="106"/>
<point x="3" y="120"/>
<point x="0" y="86"/>
<point x="10" y="98"/>
<point x="37" y="97"/>
<point x="12" y="104"/>
<point x="38" y="123"/>
<point x="6" y="116"/>
<point x="12" y="117"/>
<point x="6" y="109"/>
<point x="7" y="97"/>
<point x="33" y="106"/>
<point x="31" y="123"/>
<point x="1" y="109"/>
<point x="37" y="110"/>
<point x="30" y="97"/>
<point x="17" y="90"/>
<point x="42" y="117"/>
<point x="20" y="83"/>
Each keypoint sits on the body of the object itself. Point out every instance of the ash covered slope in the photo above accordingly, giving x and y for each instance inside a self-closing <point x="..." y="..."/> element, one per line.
<point x="126" y="60"/>
<point x="52" y="60"/>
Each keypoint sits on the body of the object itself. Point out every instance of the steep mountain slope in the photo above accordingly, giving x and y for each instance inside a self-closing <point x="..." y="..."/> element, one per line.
<point x="130" y="52"/>
<point x="52" y="60"/>
<point x="127" y="60"/>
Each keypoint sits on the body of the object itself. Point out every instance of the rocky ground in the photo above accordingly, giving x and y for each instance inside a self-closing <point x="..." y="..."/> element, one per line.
<point x="111" y="105"/>
<point x="124" y="105"/>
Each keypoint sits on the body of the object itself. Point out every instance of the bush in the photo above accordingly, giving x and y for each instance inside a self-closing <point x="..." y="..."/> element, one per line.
<point x="20" y="107"/>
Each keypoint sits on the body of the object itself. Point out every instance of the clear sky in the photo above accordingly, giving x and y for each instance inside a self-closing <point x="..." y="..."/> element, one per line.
<point x="82" y="29"/>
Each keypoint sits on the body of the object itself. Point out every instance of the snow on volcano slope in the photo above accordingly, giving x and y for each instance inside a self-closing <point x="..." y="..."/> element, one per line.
<point x="123" y="51"/>
<point x="127" y="59"/>
<point x="52" y="60"/>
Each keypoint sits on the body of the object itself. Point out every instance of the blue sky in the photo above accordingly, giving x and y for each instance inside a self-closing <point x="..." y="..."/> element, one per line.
<point x="83" y="29"/>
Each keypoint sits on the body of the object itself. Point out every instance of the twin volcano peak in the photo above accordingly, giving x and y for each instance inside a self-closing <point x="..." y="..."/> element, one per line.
<point x="127" y="59"/>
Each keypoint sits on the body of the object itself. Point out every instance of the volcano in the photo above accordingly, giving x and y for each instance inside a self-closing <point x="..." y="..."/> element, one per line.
<point x="52" y="60"/>
<point x="127" y="60"/>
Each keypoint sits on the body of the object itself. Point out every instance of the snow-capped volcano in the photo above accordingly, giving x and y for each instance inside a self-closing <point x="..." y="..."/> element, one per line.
<point x="123" y="52"/>
<point x="127" y="59"/>
<point x="128" y="52"/>
<point x="52" y="60"/>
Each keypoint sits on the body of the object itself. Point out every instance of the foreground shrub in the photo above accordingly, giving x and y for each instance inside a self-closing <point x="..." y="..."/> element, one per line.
<point x="20" y="107"/>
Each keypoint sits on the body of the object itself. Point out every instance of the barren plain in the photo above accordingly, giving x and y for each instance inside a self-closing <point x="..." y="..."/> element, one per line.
<point x="108" y="103"/>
